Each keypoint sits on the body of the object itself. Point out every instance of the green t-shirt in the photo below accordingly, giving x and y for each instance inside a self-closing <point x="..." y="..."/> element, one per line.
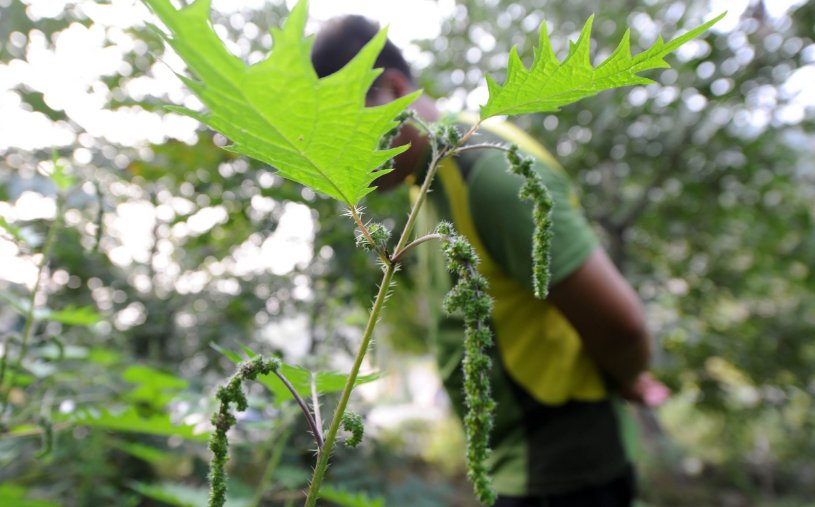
<point x="504" y="222"/>
<point x="556" y="428"/>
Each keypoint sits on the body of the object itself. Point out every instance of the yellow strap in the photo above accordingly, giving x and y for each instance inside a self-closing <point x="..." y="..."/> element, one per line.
<point x="513" y="134"/>
<point x="539" y="348"/>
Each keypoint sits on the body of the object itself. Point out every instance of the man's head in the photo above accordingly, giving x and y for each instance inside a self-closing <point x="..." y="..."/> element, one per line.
<point x="336" y="44"/>
<point x="342" y="38"/>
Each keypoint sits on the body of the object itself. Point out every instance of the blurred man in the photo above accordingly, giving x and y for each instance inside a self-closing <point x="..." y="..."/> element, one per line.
<point x="559" y="365"/>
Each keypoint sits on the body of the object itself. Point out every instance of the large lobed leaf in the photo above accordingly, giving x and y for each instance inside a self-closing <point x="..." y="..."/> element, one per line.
<point x="550" y="84"/>
<point x="317" y="132"/>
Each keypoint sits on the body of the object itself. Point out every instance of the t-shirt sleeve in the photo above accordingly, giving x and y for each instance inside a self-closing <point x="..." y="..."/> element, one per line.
<point x="505" y="226"/>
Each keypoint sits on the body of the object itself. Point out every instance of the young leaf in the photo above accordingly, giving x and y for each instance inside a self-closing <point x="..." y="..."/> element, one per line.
<point x="72" y="315"/>
<point x="551" y="84"/>
<point x="147" y="453"/>
<point x="12" y="494"/>
<point x="182" y="495"/>
<point x="130" y="421"/>
<point x="299" y="377"/>
<point x="154" y="388"/>
<point x="13" y="230"/>
<point x="317" y="132"/>
<point x="346" y="498"/>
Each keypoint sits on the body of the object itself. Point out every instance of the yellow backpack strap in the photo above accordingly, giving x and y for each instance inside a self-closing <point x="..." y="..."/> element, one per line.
<point x="539" y="348"/>
<point x="513" y="134"/>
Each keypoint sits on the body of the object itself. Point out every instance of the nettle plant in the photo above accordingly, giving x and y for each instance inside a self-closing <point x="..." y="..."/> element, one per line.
<point x="319" y="133"/>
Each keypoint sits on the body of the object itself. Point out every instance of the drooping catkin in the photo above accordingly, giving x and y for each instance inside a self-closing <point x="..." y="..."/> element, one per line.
<point x="352" y="423"/>
<point x="224" y="419"/>
<point x="469" y="295"/>
<point x="535" y="190"/>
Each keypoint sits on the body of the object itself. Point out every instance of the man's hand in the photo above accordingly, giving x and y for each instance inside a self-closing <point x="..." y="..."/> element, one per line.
<point x="646" y="390"/>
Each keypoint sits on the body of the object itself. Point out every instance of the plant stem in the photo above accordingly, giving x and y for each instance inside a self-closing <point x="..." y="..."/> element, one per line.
<point x="318" y="437"/>
<point x="29" y="316"/>
<point x="382" y="255"/>
<point x="416" y="242"/>
<point x="482" y="146"/>
<point x="469" y="133"/>
<point x="414" y="211"/>
<point x="379" y="302"/>
<point x="330" y="437"/>
<point x="428" y="180"/>
<point x="315" y="405"/>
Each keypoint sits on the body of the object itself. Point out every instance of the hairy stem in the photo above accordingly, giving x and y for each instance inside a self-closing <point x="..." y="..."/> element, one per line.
<point x="413" y="244"/>
<point x="315" y="405"/>
<point x="481" y="146"/>
<point x="428" y="180"/>
<point x="315" y="430"/>
<point x="331" y="435"/>
<point x="469" y="133"/>
<point x="382" y="255"/>
<point x="414" y="211"/>
<point x="379" y="302"/>
<point x="29" y="316"/>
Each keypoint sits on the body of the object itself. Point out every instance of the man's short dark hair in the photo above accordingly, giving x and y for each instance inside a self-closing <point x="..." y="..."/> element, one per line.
<point x="342" y="38"/>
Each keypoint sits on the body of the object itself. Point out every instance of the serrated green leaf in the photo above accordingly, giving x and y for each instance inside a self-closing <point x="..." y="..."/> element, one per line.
<point x="348" y="499"/>
<point x="12" y="494"/>
<point x="130" y="421"/>
<point x="72" y="315"/>
<point x="154" y="387"/>
<point x="317" y="132"/>
<point x="181" y="495"/>
<point x="13" y="230"/>
<point x="550" y="84"/>
<point x="104" y="356"/>
<point x="153" y="378"/>
<point x="299" y="377"/>
<point x="147" y="453"/>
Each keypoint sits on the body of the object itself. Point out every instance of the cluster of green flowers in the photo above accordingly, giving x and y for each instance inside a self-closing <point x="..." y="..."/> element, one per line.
<point x="445" y="137"/>
<point x="386" y="140"/>
<point x="534" y="190"/>
<point x="224" y="419"/>
<point x="352" y="423"/>
<point x="469" y="296"/>
<point x="379" y="233"/>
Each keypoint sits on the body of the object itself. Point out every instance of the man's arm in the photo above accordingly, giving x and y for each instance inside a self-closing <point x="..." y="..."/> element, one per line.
<point x="586" y="287"/>
<point x="607" y="314"/>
